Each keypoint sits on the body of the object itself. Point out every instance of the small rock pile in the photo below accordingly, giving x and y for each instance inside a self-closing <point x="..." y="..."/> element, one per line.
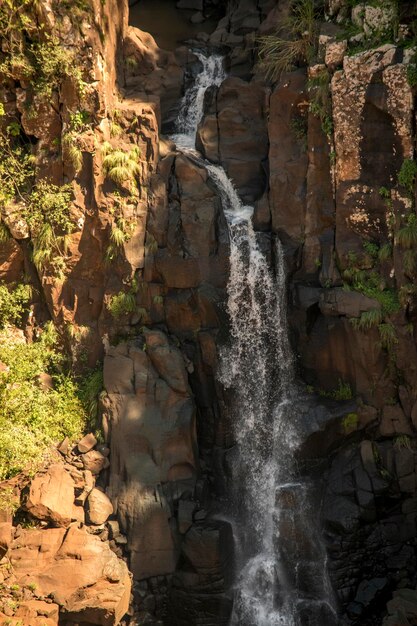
<point x="63" y="560"/>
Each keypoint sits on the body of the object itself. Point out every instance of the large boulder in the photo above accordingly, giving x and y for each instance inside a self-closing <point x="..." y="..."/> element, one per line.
<point x="76" y="569"/>
<point x="51" y="496"/>
<point x="99" y="507"/>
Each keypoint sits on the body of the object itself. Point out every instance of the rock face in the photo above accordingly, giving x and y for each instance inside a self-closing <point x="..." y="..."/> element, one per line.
<point x="235" y="125"/>
<point x="152" y="420"/>
<point x="77" y="569"/>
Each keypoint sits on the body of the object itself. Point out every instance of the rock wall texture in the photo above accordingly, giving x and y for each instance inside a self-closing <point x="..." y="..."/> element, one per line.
<point x="323" y="153"/>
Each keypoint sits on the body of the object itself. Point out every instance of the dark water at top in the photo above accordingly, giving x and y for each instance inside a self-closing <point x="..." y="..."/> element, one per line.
<point x="168" y="25"/>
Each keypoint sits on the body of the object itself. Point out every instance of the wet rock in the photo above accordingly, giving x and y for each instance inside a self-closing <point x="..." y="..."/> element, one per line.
<point x="235" y="124"/>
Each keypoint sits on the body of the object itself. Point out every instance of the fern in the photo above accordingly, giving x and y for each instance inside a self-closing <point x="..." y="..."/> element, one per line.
<point x="407" y="235"/>
<point x="387" y="335"/>
<point x="72" y="152"/>
<point x="409" y="262"/>
<point x="122" y="304"/>
<point x="122" y="167"/>
<point x="385" y="252"/>
<point x="277" y="53"/>
<point x="367" y="320"/>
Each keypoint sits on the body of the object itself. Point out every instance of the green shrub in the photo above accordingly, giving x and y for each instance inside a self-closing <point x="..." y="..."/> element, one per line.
<point x="14" y="302"/>
<point x="320" y="100"/>
<point x="32" y="419"/>
<point x="16" y="169"/>
<point x="122" y="304"/>
<point x="385" y="252"/>
<point x="371" y="248"/>
<point x="407" y="175"/>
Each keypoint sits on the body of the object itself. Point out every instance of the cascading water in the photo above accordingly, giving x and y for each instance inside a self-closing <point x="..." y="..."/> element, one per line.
<point x="191" y="108"/>
<point x="282" y="565"/>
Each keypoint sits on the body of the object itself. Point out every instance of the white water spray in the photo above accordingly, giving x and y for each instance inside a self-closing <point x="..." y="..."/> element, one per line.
<point x="191" y="108"/>
<point x="281" y="578"/>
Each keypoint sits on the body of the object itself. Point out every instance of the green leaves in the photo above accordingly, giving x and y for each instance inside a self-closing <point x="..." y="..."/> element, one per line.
<point x="14" y="302"/>
<point x="33" y="418"/>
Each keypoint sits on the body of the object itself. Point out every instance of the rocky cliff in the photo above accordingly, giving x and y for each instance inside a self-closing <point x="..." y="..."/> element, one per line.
<point x="134" y="276"/>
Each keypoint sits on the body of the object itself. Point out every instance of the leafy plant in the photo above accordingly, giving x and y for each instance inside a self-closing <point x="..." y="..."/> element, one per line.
<point x="350" y="422"/>
<point x="385" y="252"/>
<point x="407" y="235"/>
<point x="14" y="302"/>
<point x="48" y="216"/>
<point x="320" y="100"/>
<point x="402" y="442"/>
<point x="294" y="42"/>
<point x="388" y="336"/>
<point x="343" y="392"/>
<point x="72" y="151"/>
<point x="407" y="175"/>
<point x="90" y="392"/>
<point x="371" y="248"/>
<point x="122" y="304"/>
<point x="368" y="319"/>
<point x="32" y="419"/>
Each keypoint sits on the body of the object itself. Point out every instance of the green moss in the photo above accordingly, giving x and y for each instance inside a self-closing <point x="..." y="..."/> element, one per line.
<point x="350" y="422"/>
<point x="343" y="392"/>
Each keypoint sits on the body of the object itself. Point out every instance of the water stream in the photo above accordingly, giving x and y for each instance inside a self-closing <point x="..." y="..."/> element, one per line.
<point x="281" y="574"/>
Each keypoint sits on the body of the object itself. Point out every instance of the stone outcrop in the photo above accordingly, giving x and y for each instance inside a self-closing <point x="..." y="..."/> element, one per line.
<point x="78" y="570"/>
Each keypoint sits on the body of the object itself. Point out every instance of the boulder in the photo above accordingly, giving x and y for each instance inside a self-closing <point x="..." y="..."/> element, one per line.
<point x="95" y="461"/>
<point x="99" y="507"/>
<point x="6" y="530"/>
<point x="77" y="570"/>
<point x="87" y="443"/>
<point x="51" y="496"/>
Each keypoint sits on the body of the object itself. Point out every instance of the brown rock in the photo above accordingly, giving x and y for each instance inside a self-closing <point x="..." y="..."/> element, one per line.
<point x="51" y="496"/>
<point x="95" y="461"/>
<point x="394" y="422"/>
<point x="6" y="529"/>
<point x="87" y="443"/>
<point x="79" y="571"/>
<point x="99" y="507"/>
<point x="234" y="126"/>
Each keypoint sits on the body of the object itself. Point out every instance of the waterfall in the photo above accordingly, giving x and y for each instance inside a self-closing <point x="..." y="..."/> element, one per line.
<point x="191" y="107"/>
<point x="281" y="577"/>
